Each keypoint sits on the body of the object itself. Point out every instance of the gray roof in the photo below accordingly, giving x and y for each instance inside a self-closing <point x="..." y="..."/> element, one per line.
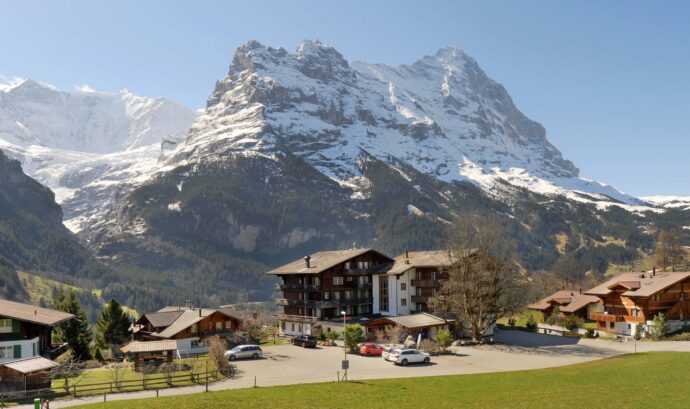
<point x="320" y="261"/>
<point x="162" y="319"/>
<point x="417" y="259"/>
<point x="150" y="346"/>
<point x="639" y="284"/>
<point x="420" y="320"/>
<point x="31" y="313"/>
<point x="30" y="365"/>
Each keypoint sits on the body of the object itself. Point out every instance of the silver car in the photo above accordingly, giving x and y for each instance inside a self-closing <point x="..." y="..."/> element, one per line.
<point x="244" y="352"/>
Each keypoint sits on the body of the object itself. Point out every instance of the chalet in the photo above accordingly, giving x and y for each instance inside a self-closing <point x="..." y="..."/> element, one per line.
<point x="424" y="324"/>
<point x="323" y="285"/>
<point x="25" y="345"/>
<point x="404" y="286"/>
<point x="568" y="302"/>
<point x="187" y="326"/>
<point x="630" y="300"/>
<point x="26" y="330"/>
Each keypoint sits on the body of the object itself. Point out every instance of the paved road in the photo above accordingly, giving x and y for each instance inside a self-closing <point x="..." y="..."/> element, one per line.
<point x="285" y="365"/>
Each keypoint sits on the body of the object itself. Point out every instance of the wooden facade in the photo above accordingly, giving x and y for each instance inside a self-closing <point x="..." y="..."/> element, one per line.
<point x="346" y="285"/>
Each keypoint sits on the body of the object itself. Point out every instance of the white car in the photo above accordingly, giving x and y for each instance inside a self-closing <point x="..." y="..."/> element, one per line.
<point x="388" y="352"/>
<point x="244" y="352"/>
<point x="408" y="356"/>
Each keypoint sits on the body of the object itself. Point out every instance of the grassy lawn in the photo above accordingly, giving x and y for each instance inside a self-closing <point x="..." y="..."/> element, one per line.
<point x="521" y="319"/>
<point x="649" y="380"/>
<point x="103" y="376"/>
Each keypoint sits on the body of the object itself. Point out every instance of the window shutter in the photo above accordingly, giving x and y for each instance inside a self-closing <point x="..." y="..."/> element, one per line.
<point x="15" y="326"/>
<point x="17" y="351"/>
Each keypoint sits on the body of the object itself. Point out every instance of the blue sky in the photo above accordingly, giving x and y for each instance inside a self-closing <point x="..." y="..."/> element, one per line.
<point x="610" y="81"/>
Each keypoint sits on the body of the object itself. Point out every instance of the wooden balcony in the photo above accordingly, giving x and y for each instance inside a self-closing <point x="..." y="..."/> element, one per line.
<point x="607" y="317"/>
<point x="631" y="318"/>
<point x="427" y="283"/>
<point x="297" y="287"/>
<point x="420" y="298"/>
<point x="360" y="271"/>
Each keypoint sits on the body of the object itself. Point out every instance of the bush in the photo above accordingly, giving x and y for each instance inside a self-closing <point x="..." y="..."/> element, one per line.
<point x="512" y="322"/>
<point x="322" y="336"/>
<point x="531" y="323"/>
<point x="571" y="322"/>
<point x="444" y="339"/>
<point x="333" y="335"/>
<point x="354" y="334"/>
<point x="554" y="317"/>
<point x="591" y="333"/>
<point x="659" y="328"/>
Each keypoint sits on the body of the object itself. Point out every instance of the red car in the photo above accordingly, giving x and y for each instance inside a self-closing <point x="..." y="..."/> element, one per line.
<point x="370" y="349"/>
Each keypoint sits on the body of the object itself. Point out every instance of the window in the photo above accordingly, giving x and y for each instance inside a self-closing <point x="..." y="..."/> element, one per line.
<point x="347" y="265"/>
<point x="350" y="279"/>
<point x="327" y="295"/>
<point x="403" y="286"/>
<point x="629" y="326"/>
<point x="316" y="281"/>
<point x="228" y="324"/>
<point x="219" y="325"/>
<point x="6" y="326"/>
<point x="293" y="327"/>
<point x="195" y="343"/>
<point x="348" y="294"/>
<point x="6" y="352"/>
<point x="282" y="325"/>
<point x="336" y="295"/>
<point x="195" y="328"/>
<point x="403" y="302"/>
<point x="612" y="325"/>
<point x="338" y="280"/>
<point x="383" y="293"/>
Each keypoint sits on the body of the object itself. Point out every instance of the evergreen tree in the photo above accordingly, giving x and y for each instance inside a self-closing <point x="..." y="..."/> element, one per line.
<point x="112" y="327"/>
<point x="76" y="332"/>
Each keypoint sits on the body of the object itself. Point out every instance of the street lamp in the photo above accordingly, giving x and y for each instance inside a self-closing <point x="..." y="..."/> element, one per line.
<point x="345" y="363"/>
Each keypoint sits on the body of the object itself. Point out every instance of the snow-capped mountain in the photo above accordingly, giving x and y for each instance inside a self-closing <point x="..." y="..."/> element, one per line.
<point x="85" y="145"/>
<point x="442" y="115"/>
<point x="669" y="202"/>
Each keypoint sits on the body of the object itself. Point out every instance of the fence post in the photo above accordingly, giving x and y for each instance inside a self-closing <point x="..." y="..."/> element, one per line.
<point x="338" y="376"/>
<point x="111" y="387"/>
<point x="74" y="391"/>
<point x="206" y="376"/>
<point x="104" y="395"/>
<point x="156" y="392"/>
<point x="255" y="381"/>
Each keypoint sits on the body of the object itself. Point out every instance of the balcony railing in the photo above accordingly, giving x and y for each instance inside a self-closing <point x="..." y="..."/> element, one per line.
<point x="427" y="283"/>
<point x="332" y="303"/>
<point x="363" y="285"/>
<point x="420" y="298"/>
<point x="297" y="287"/>
<point x="360" y="271"/>
<point x="607" y="317"/>
<point x="631" y="318"/>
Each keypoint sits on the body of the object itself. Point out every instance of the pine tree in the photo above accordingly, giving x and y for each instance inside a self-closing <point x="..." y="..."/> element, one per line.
<point x="112" y="327"/>
<point x="76" y="332"/>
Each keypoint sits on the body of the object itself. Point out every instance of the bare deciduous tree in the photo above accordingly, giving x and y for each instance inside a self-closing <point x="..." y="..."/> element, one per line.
<point x="483" y="283"/>
<point x="216" y="352"/>
<point x="69" y="368"/>
<point x="117" y="373"/>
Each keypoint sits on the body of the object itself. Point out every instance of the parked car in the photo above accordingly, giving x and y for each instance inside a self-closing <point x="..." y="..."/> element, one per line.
<point x="305" y="341"/>
<point x="388" y="352"/>
<point x="370" y="349"/>
<point x="409" y="356"/>
<point x="244" y="352"/>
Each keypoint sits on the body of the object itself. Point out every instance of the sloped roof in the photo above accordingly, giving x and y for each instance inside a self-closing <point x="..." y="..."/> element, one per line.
<point x="419" y="259"/>
<point x="419" y="320"/>
<point x="184" y="321"/>
<point x="150" y="346"/>
<point x="320" y="261"/>
<point x="640" y="284"/>
<point x="30" y="365"/>
<point x="162" y="319"/>
<point x="32" y="313"/>
<point x="568" y="300"/>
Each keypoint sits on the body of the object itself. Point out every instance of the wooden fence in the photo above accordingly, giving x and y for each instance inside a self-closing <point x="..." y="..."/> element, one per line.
<point x="146" y="383"/>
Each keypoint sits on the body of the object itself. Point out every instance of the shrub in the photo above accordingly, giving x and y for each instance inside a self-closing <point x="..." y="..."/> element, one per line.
<point x="333" y="335"/>
<point x="531" y="323"/>
<point x="353" y="336"/>
<point x="659" y="328"/>
<point x="554" y="317"/>
<point x="444" y="339"/>
<point x="322" y="336"/>
<point x="591" y="333"/>
<point x="571" y="322"/>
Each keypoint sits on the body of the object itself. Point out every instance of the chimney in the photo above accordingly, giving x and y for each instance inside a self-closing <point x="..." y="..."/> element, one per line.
<point x="407" y="254"/>
<point x="654" y="270"/>
<point x="188" y="304"/>
<point x="580" y="291"/>
<point x="307" y="261"/>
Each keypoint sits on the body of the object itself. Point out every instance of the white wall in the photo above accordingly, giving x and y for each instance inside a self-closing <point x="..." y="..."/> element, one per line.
<point x="375" y="292"/>
<point x="294" y="328"/>
<point x="184" y="346"/>
<point x="28" y="348"/>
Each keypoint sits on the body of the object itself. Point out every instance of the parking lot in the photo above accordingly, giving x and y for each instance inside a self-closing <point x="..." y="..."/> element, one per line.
<point x="287" y="364"/>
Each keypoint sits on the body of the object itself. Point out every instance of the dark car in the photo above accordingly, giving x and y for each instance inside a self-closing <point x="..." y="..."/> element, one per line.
<point x="305" y="341"/>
